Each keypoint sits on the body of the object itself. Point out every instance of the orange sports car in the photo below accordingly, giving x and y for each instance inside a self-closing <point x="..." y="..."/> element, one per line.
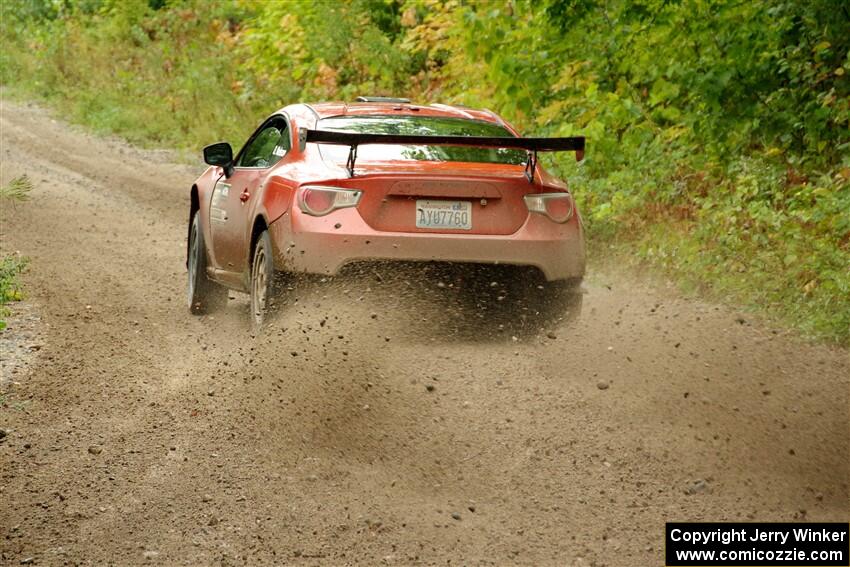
<point x="320" y="186"/>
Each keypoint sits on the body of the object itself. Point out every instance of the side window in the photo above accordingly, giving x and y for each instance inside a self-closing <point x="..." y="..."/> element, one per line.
<point x="267" y="147"/>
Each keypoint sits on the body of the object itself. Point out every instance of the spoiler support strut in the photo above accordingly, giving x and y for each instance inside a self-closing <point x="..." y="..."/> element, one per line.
<point x="531" y="165"/>
<point x="352" y="157"/>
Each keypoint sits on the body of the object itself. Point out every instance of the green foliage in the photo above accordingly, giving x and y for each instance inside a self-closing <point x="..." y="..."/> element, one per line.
<point x="158" y="77"/>
<point x="11" y="267"/>
<point x="18" y="189"/>
<point x="719" y="131"/>
<point x="320" y="50"/>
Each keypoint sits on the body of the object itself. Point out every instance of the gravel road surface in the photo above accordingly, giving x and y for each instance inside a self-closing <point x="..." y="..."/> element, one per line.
<point x="375" y="421"/>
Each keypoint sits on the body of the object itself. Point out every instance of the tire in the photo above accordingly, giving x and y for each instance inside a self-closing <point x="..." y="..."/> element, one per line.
<point x="203" y="295"/>
<point x="263" y="281"/>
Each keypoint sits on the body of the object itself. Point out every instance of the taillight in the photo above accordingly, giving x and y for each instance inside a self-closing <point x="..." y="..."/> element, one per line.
<point x="557" y="206"/>
<point x="318" y="200"/>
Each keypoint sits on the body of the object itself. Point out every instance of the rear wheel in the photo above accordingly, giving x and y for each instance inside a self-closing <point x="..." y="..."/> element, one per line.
<point x="263" y="289"/>
<point x="203" y="294"/>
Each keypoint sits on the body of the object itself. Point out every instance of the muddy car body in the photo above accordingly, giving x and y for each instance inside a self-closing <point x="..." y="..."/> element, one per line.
<point x="317" y="187"/>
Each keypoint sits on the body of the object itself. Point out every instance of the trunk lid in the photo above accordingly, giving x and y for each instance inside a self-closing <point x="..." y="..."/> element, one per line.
<point x="394" y="197"/>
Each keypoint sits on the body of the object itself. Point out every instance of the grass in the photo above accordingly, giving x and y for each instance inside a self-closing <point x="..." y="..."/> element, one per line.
<point x="12" y="266"/>
<point x="16" y="190"/>
<point x="817" y="308"/>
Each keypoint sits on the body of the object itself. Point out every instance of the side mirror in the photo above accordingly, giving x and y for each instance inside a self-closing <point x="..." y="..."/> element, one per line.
<point x="220" y="154"/>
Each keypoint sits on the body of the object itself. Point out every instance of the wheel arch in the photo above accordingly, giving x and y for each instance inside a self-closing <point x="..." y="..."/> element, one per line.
<point x="194" y="207"/>
<point x="257" y="227"/>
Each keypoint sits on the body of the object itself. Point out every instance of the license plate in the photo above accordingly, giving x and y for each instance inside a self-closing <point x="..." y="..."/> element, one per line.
<point x="455" y="215"/>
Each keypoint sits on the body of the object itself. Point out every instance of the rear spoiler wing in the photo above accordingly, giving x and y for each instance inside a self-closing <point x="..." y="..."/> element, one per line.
<point x="531" y="145"/>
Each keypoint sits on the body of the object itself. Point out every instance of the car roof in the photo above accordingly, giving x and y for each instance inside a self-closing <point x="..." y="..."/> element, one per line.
<point x="328" y="109"/>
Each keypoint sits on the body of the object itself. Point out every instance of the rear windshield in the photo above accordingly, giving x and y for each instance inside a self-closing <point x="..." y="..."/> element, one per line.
<point x="422" y="126"/>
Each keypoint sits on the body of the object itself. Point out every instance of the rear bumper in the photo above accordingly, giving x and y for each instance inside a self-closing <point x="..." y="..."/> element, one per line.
<point x="323" y="245"/>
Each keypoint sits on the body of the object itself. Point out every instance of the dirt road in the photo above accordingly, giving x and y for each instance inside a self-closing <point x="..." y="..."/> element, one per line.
<point x="367" y="427"/>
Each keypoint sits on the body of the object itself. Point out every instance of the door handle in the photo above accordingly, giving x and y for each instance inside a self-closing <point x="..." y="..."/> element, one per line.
<point x="245" y="195"/>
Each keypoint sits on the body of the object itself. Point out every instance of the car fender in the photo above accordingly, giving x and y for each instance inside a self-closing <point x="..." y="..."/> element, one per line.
<point x="276" y="197"/>
<point x="202" y="188"/>
<point x="274" y="200"/>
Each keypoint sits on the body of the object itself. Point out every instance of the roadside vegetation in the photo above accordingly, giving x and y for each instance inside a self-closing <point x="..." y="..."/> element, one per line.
<point x="12" y="266"/>
<point x="718" y="132"/>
